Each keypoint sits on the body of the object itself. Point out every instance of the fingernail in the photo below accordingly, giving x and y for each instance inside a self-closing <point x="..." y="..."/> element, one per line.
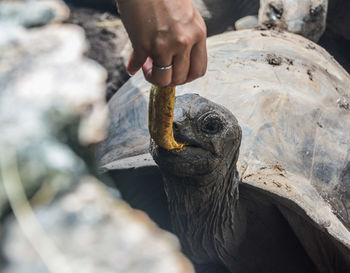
<point x="130" y="72"/>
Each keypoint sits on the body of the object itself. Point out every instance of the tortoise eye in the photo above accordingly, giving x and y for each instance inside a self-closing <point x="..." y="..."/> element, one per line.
<point x="211" y="124"/>
<point x="276" y="10"/>
<point x="316" y="12"/>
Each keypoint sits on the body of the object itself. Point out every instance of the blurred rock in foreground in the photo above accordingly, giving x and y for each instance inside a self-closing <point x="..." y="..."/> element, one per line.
<point x="32" y="13"/>
<point x="51" y="102"/>
<point x="88" y="231"/>
<point x="55" y="216"/>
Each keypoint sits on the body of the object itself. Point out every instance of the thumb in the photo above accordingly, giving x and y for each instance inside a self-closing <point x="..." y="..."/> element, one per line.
<point x="137" y="59"/>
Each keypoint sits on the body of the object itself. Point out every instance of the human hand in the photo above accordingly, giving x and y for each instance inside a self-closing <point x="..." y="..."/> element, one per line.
<point x="165" y="32"/>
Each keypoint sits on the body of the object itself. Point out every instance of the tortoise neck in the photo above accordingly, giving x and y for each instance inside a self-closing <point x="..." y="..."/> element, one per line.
<point x="204" y="212"/>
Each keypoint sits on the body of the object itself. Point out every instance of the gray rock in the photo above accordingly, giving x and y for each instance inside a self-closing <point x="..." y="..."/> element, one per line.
<point x="41" y="101"/>
<point x="89" y="231"/>
<point x="250" y="21"/>
<point x="32" y="13"/>
<point x="52" y="109"/>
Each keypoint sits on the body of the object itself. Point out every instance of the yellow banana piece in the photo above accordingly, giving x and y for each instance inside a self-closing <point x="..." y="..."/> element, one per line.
<point x="160" y="117"/>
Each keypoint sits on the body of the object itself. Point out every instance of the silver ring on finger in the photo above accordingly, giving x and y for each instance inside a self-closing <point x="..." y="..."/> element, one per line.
<point x="163" y="68"/>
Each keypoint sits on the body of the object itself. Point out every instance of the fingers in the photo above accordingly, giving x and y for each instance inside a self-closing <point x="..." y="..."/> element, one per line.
<point x="187" y="66"/>
<point x="176" y="36"/>
<point x="181" y="68"/>
<point x="137" y="59"/>
<point x="198" y="61"/>
<point x="157" y="76"/>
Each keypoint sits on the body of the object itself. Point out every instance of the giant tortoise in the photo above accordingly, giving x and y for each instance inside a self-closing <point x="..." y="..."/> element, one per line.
<point x="283" y="205"/>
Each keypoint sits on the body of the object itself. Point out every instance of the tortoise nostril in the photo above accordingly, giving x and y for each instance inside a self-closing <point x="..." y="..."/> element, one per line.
<point x="177" y="131"/>
<point x="175" y="126"/>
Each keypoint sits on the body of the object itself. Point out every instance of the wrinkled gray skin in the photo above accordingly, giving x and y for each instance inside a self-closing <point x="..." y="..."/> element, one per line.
<point x="306" y="17"/>
<point x="222" y="228"/>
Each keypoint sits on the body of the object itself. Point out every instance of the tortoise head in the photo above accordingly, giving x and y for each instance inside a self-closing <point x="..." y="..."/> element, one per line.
<point x="212" y="136"/>
<point x="304" y="17"/>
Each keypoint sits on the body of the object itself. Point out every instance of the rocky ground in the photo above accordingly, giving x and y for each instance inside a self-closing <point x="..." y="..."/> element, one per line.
<point x="109" y="44"/>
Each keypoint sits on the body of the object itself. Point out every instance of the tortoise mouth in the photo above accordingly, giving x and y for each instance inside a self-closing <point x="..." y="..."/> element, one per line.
<point x="189" y="150"/>
<point x="194" y="160"/>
